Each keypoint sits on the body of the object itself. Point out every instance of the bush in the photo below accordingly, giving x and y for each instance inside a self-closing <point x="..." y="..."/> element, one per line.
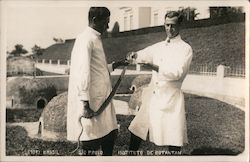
<point x="16" y="140"/>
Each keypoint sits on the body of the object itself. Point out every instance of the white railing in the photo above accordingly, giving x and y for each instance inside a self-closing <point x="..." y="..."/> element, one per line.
<point x="53" y="62"/>
<point x="203" y="69"/>
<point x="200" y="69"/>
<point x="237" y="71"/>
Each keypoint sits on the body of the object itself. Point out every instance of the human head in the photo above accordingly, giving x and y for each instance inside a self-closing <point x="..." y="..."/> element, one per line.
<point x="99" y="18"/>
<point x="172" y="23"/>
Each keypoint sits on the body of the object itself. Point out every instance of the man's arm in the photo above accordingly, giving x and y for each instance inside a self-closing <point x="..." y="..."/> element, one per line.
<point x="151" y="66"/>
<point x="116" y="64"/>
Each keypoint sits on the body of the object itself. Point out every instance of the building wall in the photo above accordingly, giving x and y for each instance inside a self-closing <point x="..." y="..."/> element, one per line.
<point x="128" y="18"/>
<point x="144" y="17"/>
<point x="203" y="13"/>
<point x="140" y="17"/>
<point x="158" y="14"/>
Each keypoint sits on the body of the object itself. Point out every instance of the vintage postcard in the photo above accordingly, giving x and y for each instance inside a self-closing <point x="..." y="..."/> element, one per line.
<point x="117" y="80"/>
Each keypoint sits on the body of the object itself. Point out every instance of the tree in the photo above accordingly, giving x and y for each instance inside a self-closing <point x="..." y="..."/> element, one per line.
<point x="189" y="13"/>
<point x="18" y="50"/>
<point x="224" y="11"/>
<point x="116" y="28"/>
<point x="37" y="50"/>
<point x="58" y="40"/>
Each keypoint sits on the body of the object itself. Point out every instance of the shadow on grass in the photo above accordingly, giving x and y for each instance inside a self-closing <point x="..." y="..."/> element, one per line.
<point x="213" y="151"/>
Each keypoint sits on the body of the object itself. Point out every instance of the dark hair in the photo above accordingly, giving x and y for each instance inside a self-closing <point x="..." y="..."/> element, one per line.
<point x="172" y="14"/>
<point x="98" y="12"/>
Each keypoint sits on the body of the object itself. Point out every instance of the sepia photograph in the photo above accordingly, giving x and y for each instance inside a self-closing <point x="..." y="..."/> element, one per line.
<point x="117" y="80"/>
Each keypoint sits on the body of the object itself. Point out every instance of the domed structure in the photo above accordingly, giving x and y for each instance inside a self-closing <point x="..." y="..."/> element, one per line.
<point x="54" y="117"/>
<point x="140" y="81"/>
<point x="26" y="93"/>
<point x="135" y="99"/>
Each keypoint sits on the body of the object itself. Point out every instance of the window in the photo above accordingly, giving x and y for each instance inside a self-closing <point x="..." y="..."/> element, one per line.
<point x="125" y="23"/>
<point x="131" y="22"/>
<point x="155" y="19"/>
<point x="128" y="19"/>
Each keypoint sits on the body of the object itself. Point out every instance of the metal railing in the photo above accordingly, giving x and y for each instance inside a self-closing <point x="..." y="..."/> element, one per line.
<point x="237" y="71"/>
<point x="212" y="70"/>
<point x="199" y="69"/>
<point x="203" y="69"/>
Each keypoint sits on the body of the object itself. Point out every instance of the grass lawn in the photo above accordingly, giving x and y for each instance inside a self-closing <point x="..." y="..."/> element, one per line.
<point x="214" y="45"/>
<point x="214" y="128"/>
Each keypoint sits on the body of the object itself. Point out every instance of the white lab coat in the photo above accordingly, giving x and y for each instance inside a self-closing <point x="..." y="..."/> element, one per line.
<point x="162" y="112"/>
<point x="89" y="80"/>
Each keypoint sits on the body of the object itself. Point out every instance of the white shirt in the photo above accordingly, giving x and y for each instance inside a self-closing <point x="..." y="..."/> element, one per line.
<point x="89" y="80"/>
<point x="162" y="111"/>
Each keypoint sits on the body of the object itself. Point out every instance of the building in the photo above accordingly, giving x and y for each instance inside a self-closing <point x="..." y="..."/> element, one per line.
<point x="134" y="18"/>
<point x="131" y="18"/>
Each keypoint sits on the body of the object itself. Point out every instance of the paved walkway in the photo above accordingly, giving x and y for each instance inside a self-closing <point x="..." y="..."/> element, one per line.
<point x="121" y="107"/>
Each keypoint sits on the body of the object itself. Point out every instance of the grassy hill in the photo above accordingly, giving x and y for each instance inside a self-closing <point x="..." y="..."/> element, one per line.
<point x="220" y="44"/>
<point x="213" y="45"/>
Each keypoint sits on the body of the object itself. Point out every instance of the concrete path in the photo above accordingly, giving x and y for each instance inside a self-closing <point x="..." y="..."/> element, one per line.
<point x="121" y="107"/>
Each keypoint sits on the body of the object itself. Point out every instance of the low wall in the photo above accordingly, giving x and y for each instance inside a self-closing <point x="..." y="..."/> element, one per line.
<point x="229" y="90"/>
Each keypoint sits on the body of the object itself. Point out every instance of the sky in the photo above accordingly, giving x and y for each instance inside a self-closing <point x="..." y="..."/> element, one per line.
<point x="38" y="22"/>
<point x="38" y="25"/>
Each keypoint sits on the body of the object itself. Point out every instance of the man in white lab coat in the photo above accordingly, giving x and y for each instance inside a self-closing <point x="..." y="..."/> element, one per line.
<point x="89" y="86"/>
<point x="162" y="113"/>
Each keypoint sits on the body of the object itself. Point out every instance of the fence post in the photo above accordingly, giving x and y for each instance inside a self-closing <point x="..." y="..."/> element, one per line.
<point x="220" y="71"/>
<point x="58" y="62"/>
<point x="138" y="67"/>
<point x="43" y="61"/>
<point x="68" y="62"/>
<point x="50" y="61"/>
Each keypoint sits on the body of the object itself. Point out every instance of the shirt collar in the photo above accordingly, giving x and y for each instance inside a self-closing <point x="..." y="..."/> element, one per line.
<point x="94" y="31"/>
<point x="175" y="39"/>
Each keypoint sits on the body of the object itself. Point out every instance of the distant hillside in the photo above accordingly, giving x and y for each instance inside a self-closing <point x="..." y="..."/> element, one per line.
<point x="20" y="66"/>
<point x="219" y="44"/>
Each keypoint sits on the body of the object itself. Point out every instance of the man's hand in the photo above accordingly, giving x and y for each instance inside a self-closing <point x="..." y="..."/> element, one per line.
<point x="87" y="112"/>
<point x="120" y="63"/>
<point x="131" y="57"/>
